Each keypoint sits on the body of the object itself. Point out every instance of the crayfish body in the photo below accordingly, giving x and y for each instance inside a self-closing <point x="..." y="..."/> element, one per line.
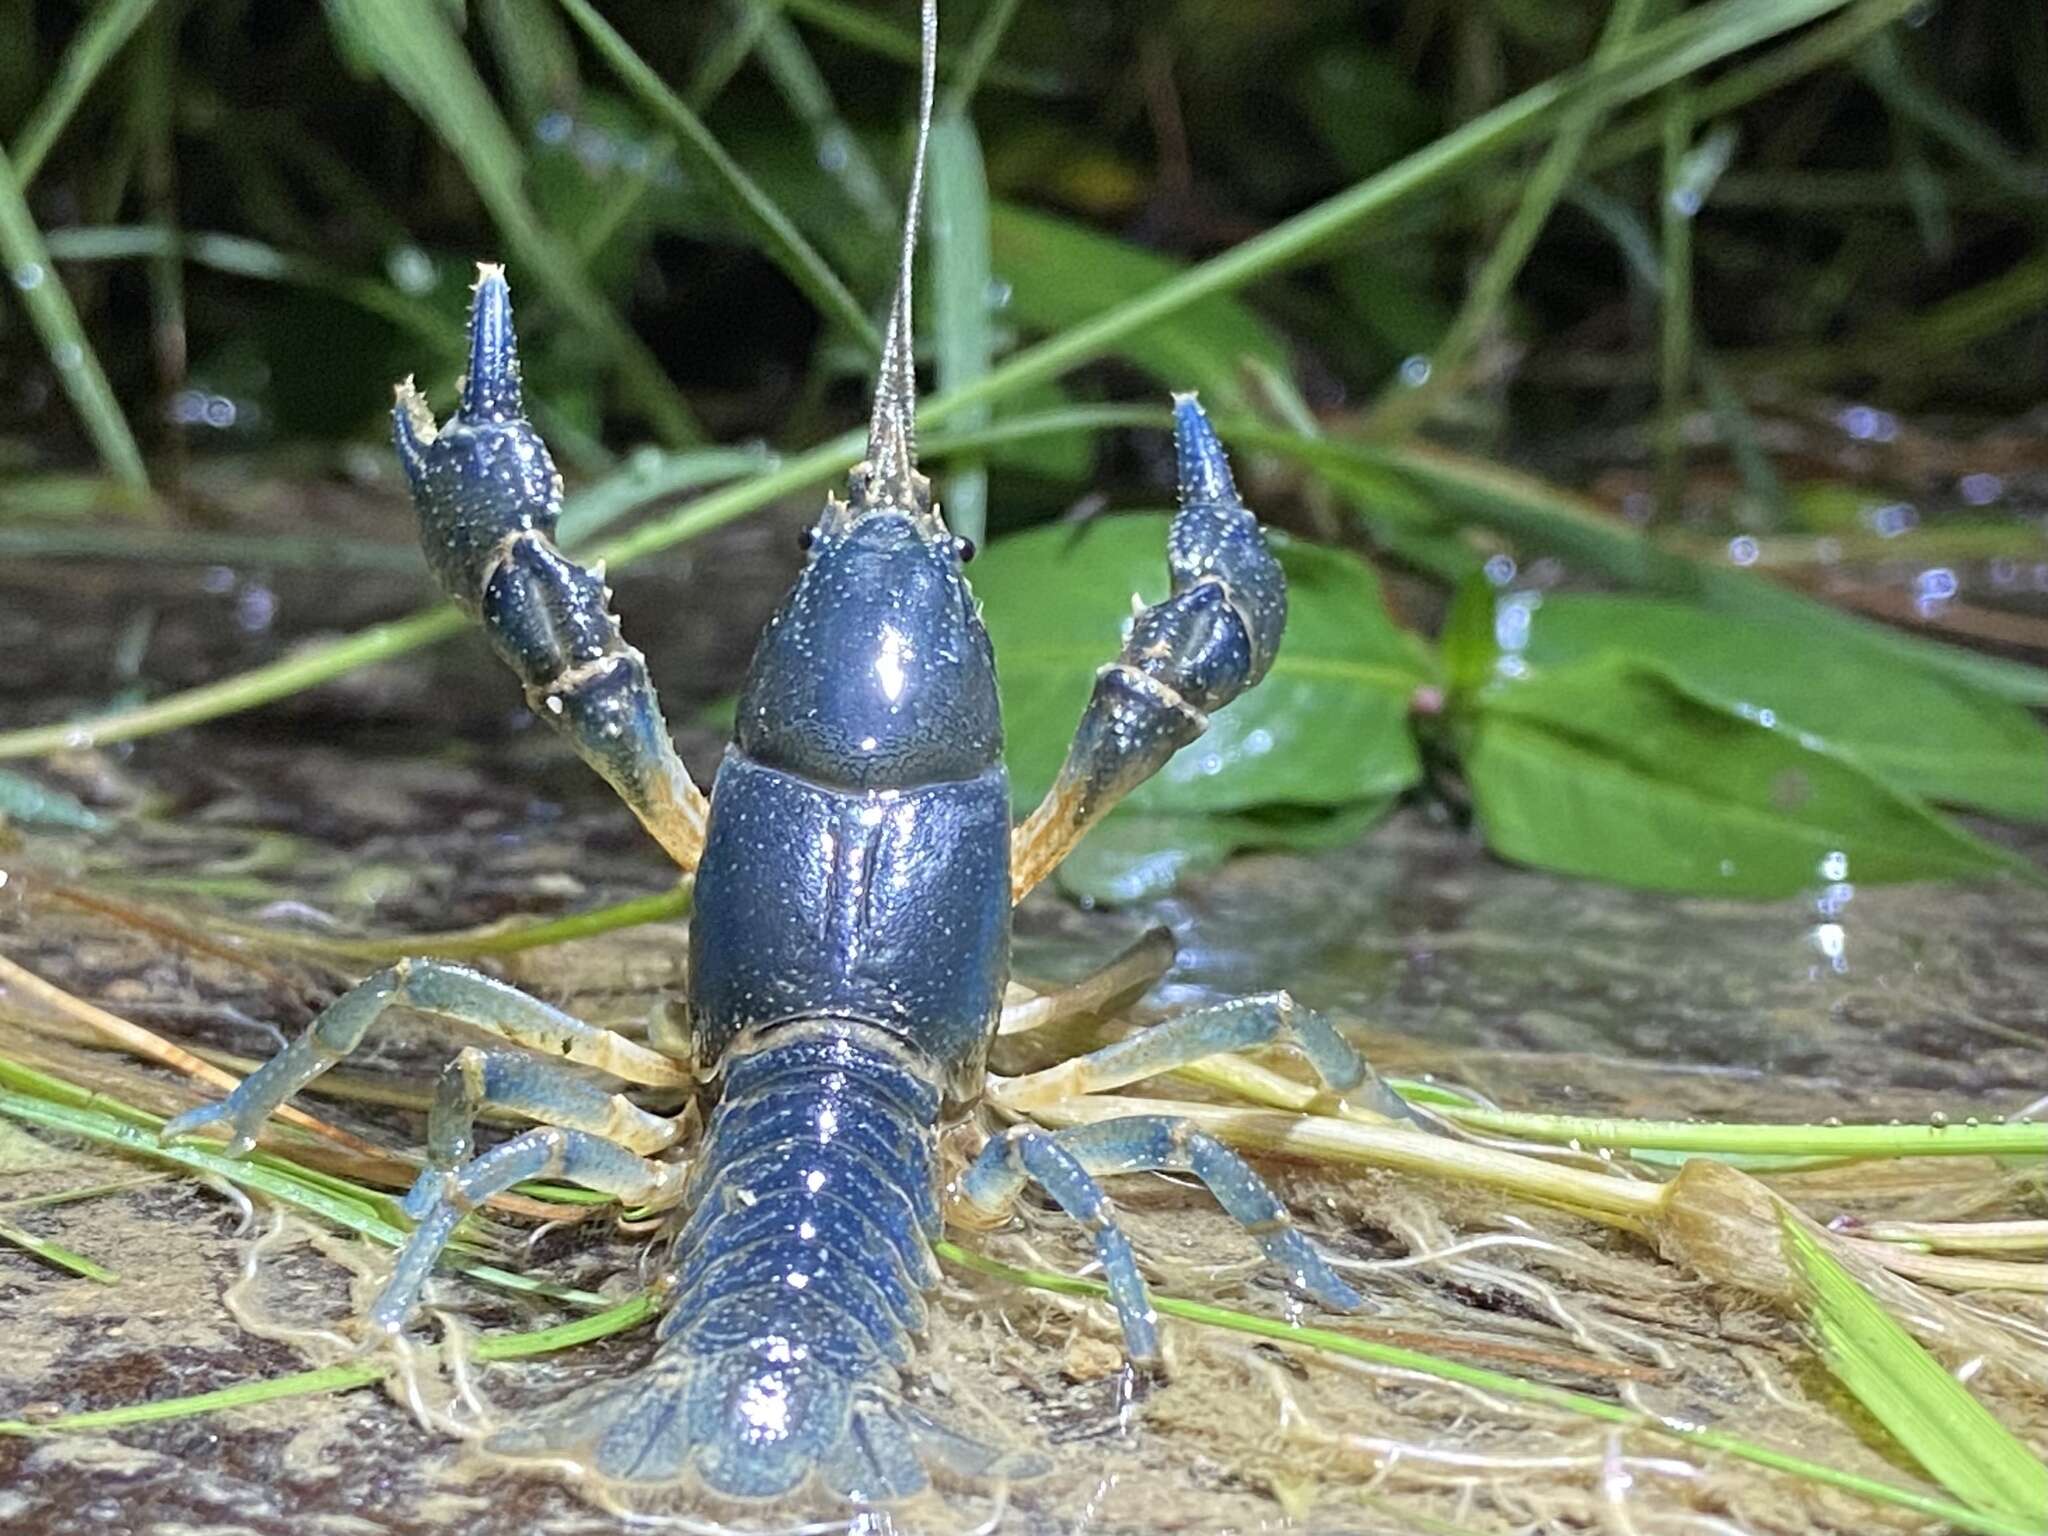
<point x="855" y="868"/>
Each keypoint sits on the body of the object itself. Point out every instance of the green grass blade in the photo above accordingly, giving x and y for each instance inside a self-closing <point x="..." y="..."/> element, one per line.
<point x="2017" y="1139"/>
<point x="27" y="264"/>
<point x="782" y="54"/>
<point x="1906" y="1390"/>
<point x="1654" y="60"/>
<point x="413" y="47"/>
<point x="780" y="239"/>
<point x="53" y="1253"/>
<point x="961" y="281"/>
<point x="979" y="59"/>
<point x="333" y="1200"/>
<point x="340" y="1378"/>
<point x="1674" y="303"/>
<point x="1402" y="405"/>
<point x="851" y="24"/>
<point x="91" y="49"/>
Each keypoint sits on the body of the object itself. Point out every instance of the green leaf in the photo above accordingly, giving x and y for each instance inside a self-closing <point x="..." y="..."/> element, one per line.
<point x="1134" y="856"/>
<point x="1927" y="1410"/>
<point x="1614" y="769"/>
<point x="1909" y="724"/>
<point x="1062" y="273"/>
<point x="1328" y="726"/>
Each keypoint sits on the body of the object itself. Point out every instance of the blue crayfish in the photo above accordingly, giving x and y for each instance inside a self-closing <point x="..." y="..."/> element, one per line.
<point x="855" y="872"/>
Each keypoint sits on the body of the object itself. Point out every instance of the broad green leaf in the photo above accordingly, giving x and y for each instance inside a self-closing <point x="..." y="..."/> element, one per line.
<point x="1613" y="769"/>
<point x="1061" y="273"/>
<point x="1929" y="1412"/>
<point x="1134" y="856"/>
<point x="1913" y="726"/>
<point x="1328" y="726"/>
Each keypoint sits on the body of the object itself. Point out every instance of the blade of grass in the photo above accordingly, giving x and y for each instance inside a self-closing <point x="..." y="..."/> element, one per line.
<point x="57" y="1254"/>
<point x="1400" y="406"/>
<point x="961" y="282"/>
<point x="27" y="264"/>
<point x="1512" y="1387"/>
<point x="1674" y="302"/>
<point x="864" y="30"/>
<point x="782" y="54"/>
<point x="492" y="939"/>
<point x="1952" y="1435"/>
<point x="346" y="1206"/>
<point x="416" y="51"/>
<point x="341" y="1378"/>
<point x="978" y="60"/>
<point x="2019" y="1139"/>
<point x="91" y="49"/>
<point x="780" y="239"/>
<point x="1883" y="66"/>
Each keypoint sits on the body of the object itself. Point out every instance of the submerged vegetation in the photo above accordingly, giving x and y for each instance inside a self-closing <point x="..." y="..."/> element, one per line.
<point x="1652" y="399"/>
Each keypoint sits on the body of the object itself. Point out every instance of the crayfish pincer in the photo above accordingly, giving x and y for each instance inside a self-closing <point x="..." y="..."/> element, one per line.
<point x="855" y="873"/>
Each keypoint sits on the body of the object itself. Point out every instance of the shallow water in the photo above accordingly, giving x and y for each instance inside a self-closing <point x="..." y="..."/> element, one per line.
<point x="416" y="797"/>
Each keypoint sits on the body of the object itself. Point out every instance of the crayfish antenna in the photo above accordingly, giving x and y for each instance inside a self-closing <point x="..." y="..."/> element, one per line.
<point x="889" y="476"/>
<point x="490" y="392"/>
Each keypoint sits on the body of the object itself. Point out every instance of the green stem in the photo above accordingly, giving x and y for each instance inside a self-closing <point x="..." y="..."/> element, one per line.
<point x="1400" y="405"/>
<point x="2018" y="1139"/>
<point x="780" y="239"/>
<point x="91" y="50"/>
<point x="27" y="266"/>
<point x="341" y="1378"/>
<point x="469" y="943"/>
<point x="1675" y="343"/>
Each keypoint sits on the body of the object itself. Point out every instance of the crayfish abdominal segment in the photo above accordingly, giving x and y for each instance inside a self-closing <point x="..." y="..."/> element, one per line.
<point x="849" y="952"/>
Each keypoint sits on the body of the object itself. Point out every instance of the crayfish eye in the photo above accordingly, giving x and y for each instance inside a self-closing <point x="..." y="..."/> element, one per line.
<point x="805" y="538"/>
<point x="964" y="548"/>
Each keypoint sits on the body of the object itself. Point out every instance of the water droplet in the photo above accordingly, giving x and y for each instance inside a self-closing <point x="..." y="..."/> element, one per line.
<point x="834" y="155"/>
<point x="1415" y="371"/>
<point x="1500" y="569"/>
<point x="67" y="355"/>
<point x="1938" y="1121"/>
<point x="411" y="269"/>
<point x="1832" y="1123"/>
<point x="28" y="275"/>
<point x="1685" y="202"/>
<point x="1980" y="489"/>
<point x="1743" y="550"/>
<point x="999" y="293"/>
<point x="1867" y="424"/>
<point x="1835" y="866"/>
<point x="1892" y="519"/>
<point x="553" y="127"/>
